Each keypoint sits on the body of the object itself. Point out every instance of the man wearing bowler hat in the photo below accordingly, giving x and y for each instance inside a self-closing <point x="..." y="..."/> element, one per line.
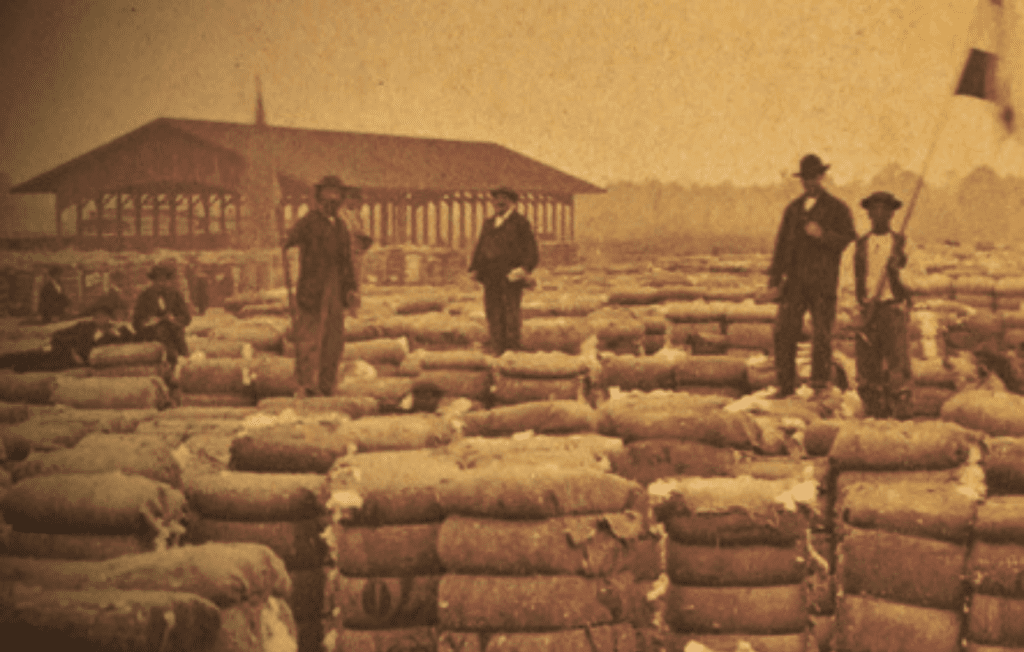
<point x="326" y="289"/>
<point x="883" y="364"/>
<point x="804" y="275"/>
<point x="161" y="313"/>
<point x="505" y="254"/>
<point x="52" y="299"/>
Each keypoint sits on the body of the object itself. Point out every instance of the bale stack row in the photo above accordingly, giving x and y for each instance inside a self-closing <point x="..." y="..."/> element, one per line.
<point x="906" y="497"/>
<point x="521" y="377"/>
<point x="737" y="562"/>
<point x="488" y="544"/>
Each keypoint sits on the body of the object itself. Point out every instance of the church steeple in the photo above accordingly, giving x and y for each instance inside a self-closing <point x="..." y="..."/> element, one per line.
<point x="261" y="115"/>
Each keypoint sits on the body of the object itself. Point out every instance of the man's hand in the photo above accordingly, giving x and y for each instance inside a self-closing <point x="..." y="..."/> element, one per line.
<point x="814" y="230"/>
<point x="152" y="321"/>
<point x="516" y="275"/>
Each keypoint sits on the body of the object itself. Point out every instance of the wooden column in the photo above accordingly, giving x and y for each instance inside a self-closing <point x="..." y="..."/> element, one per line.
<point x="117" y="217"/>
<point x="138" y="215"/>
<point x="78" y="219"/>
<point x="572" y="219"/>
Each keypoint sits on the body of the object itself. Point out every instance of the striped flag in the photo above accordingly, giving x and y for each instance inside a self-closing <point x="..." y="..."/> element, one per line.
<point x="992" y="68"/>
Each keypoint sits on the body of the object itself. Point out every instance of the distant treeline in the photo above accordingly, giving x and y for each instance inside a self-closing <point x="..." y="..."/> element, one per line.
<point x="664" y="218"/>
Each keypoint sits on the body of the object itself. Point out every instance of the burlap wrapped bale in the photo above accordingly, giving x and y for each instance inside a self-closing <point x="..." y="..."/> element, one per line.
<point x="75" y="546"/>
<point x="511" y="604"/>
<point x="224" y="573"/>
<point x="621" y="637"/>
<point x="905" y="569"/>
<point x="111" y="393"/>
<point x="209" y="413"/>
<point x="676" y="642"/>
<point x="385" y="602"/>
<point x="135" y="371"/>
<point x="386" y="550"/>
<point x="577" y="545"/>
<point x="1000" y="519"/>
<point x="384" y="350"/>
<point x="217" y="376"/>
<point x="1004" y="465"/>
<point x="928" y="401"/>
<point x="120" y="355"/>
<point x="255" y="625"/>
<point x="938" y="511"/>
<point x="1000" y="414"/>
<point x="677" y="416"/>
<point x="521" y="364"/>
<point x="392" y="394"/>
<point x="751" y="565"/>
<point x="101" y="503"/>
<point x="865" y="623"/>
<point x="730" y="511"/>
<point x="996" y="569"/>
<point x="894" y="445"/>
<point x="11" y="413"/>
<point x="217" y="400"/>
<point x="297" y="543"/>
<point x="472" y="360"/>
<point x="143" y="621"/>
<point x="402" y="639"/>
<point x="649" y="460"/>
<point x="588" y="451"/>
<point x="979" y="647"/>
<point x="354" y="406"/>
<point x="564" y="334"/>
<point x="711" y="370"/>
<point x="537" y="492"/>
<point x="274" y="375"/>
<point x="297" y="448"/>
<point x="539" y="416"/>
<point x="31" y="387"/>
<point x="400" y="432"/>
<point x="243" y="496"/>
<point x="211" y="348"/>
<point x="760" y="337"/>
<point x="439" y="331"/>
<point x="691" y="312"/>
<point x="748" y="312"/>
<point x="37" y="435"/>
<point x="635" y="297"/>
<point x="820" y="435"/>
<point x="737" y="610"/>
<point x="996" y="620"/>
<point x="644" y="373"/>
<point x="143" y="455"/>
<point x="262" y="336"/>
<point x="509" y="389"/>
<point x="457" y="382"/>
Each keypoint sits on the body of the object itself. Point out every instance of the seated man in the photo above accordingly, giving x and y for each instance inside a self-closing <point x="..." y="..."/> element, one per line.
<point x="70" y="347"/>
<point x="161" y="313"/>
<point x="52" y="299"/>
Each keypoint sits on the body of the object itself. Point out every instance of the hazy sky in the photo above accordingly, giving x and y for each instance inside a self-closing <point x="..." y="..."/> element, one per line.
<point x="698" y="90"/>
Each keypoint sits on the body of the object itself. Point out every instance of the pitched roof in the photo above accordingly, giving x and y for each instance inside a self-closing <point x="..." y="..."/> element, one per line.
<point x="360" y="159"/>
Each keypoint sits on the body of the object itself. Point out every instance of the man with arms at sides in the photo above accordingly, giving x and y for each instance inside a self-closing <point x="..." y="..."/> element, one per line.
<point x="505" y="254"/>
<point x="804" y="274"/>
<point x="52" y="299"/>
<point x="327" y="287"/>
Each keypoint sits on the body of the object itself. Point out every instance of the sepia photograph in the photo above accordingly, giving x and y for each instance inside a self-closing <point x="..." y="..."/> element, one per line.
<point x="489" y="326"/>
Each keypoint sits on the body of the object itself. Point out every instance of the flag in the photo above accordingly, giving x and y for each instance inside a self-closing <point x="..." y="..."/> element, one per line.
<point x="991" y="70"/>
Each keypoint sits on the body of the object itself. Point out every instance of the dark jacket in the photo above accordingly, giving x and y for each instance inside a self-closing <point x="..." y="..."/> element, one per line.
<point x="52" y="302"/>
<point x="499" y="251"/>
<point x="321" y="246"/>
<point x="148" y="305"/>
<point x="860" y="269"/>
<point x="83" y="337"/>
<point x="806" y="262"/>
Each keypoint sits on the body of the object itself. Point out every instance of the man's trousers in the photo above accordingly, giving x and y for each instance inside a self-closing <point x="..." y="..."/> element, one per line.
<point x="788" y="326"/>
<point x="320" y="343"/>
<point x="502" y="301"/>
<point x="883" y="362"/>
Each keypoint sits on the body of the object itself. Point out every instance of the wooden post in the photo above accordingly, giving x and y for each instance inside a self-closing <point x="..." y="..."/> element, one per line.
<point x="117" y="216"/>
<point x="78" y="220"/>
<point x="572" y="219"/>
<point x="138" y="216"/>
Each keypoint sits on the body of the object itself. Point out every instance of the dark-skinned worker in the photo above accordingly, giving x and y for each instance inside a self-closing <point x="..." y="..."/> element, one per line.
<point x="161" y="313"/>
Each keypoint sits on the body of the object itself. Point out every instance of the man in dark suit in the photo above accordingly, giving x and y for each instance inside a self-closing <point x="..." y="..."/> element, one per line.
<point x="505" y="254"/>
<point x="327" y="287"/>
<point x="161" y="313"/>
<point x="52" y="299"/>
<point x="815" y="229"/>
<point x="883" y="362"/>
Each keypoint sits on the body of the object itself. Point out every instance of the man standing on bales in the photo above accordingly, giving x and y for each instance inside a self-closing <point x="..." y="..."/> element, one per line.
<point x="816" y="228"/>
<point x="327" y="287"/>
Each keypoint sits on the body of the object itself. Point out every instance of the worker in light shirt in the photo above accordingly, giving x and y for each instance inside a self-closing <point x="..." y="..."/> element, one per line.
<point x="883" y="362"/>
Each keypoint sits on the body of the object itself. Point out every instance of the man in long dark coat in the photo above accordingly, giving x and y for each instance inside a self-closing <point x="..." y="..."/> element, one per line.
<point x="327" y="287"/>
<point x="53" y="301"/>
<point x="815" y="229"/>
<point x="883" y="360"/>
<point x="161" y="313"/>
<point x="505" y="254"/>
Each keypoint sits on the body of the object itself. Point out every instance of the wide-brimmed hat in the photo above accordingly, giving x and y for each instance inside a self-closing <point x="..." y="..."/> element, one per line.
<point x="163" y="269"/>
<point x="330" y="181"/>
<point x="811" y="166"/>
<point x="505" y="191"/>
<point x="883" y="197"/>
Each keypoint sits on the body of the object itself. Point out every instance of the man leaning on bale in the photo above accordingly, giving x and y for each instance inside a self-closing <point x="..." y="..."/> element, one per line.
<point x="505" y="254"/>
<point x="327" y="287"/>
<point x="161" y="313"/>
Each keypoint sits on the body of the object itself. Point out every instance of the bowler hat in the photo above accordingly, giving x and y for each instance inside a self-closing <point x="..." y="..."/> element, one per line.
<point x="886" y="198"/>
<point x="811" y="166"/>
<point x="330" y="181"/>
<point x="163" y="269"/>
<point x="505" y="191"/>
